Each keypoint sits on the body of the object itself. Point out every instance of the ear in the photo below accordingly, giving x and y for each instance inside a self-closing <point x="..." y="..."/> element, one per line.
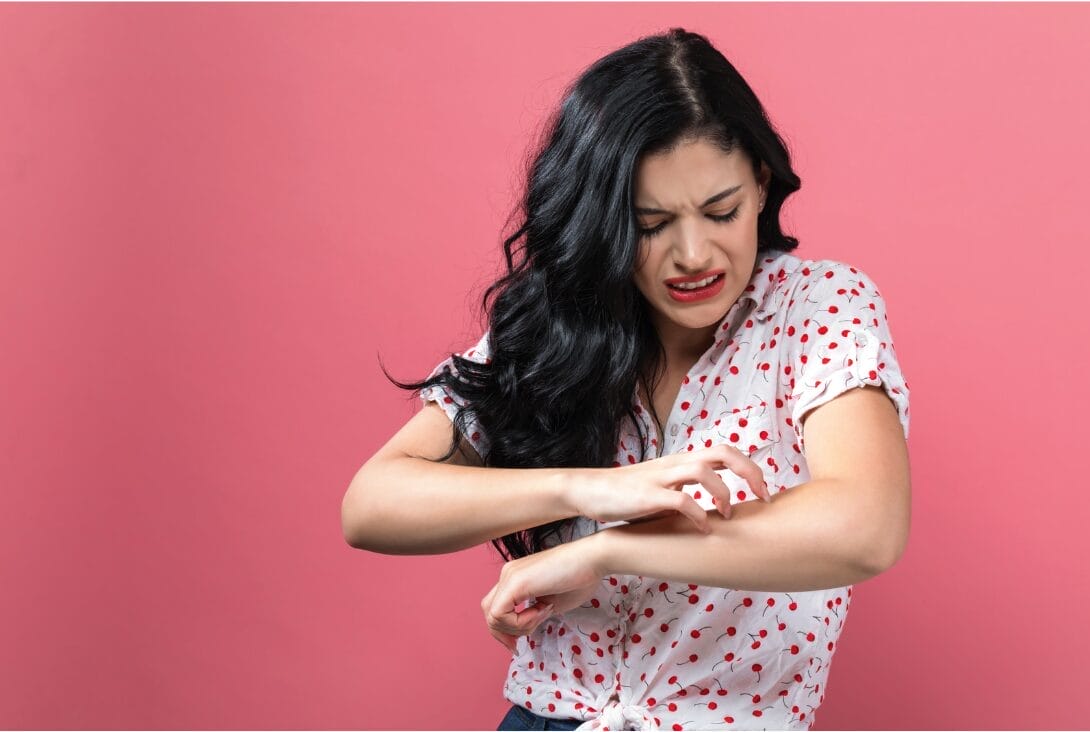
<point x="764" y="178"/>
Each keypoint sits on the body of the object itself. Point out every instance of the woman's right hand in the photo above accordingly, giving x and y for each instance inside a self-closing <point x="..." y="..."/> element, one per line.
<point x="651" y="489"/>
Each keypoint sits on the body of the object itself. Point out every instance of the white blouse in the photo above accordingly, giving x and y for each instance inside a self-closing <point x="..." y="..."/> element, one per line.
<point x="645" y="653"/>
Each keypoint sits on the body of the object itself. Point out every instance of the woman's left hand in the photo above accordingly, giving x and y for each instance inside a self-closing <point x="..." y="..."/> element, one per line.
<point x="563" y="577"/>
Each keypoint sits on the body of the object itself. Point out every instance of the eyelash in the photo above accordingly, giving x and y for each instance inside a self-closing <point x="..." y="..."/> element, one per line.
<point x="722" y="219"/>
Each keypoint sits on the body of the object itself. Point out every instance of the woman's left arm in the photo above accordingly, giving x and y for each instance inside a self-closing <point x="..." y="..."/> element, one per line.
<point x="848" y="523"/>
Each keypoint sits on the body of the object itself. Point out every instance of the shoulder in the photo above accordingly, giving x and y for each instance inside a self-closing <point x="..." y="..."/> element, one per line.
<point x="827" y="275"/>
<point x="829" y="287"/>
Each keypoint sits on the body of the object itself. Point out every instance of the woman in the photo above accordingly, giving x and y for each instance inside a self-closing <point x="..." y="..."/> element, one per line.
<point x="651" y="355"/>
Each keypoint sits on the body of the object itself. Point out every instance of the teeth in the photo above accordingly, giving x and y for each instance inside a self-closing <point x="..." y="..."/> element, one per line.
<point x="695" y="285"/>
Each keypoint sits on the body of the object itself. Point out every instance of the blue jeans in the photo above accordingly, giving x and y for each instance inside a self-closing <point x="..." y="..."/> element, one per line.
<point x="521" y="718"/>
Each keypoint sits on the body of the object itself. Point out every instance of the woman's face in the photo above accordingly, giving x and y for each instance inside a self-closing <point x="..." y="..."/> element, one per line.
<point x="680" y="209"/>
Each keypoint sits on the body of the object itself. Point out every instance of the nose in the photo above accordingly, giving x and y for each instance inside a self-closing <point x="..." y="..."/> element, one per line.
<point x="692" y="249"/>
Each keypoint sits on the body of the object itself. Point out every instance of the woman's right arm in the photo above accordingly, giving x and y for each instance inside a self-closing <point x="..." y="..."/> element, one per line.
<point x="401" y="503"/>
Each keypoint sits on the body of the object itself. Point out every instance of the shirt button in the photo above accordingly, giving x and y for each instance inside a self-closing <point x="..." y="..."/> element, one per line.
<point x="673" y="430"/>
<point x="860" y="339"/>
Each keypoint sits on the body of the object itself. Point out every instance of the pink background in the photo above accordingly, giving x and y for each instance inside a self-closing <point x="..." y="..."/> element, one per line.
<point x="214" y="219"/>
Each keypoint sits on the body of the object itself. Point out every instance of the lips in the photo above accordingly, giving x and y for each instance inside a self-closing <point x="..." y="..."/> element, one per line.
<point x="693" y="278"/>
<point x="697" y="294"/>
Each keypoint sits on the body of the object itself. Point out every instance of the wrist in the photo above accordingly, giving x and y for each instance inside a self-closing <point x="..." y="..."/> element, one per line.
<point x="569" y="488"/>
<point x="599" y="548"/>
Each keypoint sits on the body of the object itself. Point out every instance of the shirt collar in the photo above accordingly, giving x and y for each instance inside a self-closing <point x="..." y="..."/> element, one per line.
<point x="756" y="300"/>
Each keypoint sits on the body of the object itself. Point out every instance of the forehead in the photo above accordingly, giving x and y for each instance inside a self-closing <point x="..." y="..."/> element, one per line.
<point x="691" y="169"/>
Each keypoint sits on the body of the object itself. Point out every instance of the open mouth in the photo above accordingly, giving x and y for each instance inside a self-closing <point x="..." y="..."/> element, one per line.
<point x="712" y="283"/>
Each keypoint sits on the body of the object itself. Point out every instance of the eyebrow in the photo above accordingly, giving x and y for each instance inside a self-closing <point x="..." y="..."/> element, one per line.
<point x="717" y="197"/>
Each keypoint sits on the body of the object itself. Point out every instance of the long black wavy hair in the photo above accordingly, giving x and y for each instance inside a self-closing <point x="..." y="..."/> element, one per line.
<point x="569" y="332"/>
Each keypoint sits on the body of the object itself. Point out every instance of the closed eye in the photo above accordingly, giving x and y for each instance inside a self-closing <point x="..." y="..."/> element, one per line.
<point x="722" y="219"/>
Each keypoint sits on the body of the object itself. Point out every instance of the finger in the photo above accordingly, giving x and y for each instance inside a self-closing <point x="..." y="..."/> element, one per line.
<point x="486" y="601"/>
<point x="687" y="505"/>
<point x="739" y="464"/>
<point x="523" y="623"/>
<point x="715" y="484"/>
<point x="509" y="642"/>
<point x="723" y="506"/>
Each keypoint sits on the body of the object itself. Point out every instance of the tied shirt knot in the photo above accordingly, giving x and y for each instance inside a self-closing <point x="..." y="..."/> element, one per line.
<point x="617" y="716"/>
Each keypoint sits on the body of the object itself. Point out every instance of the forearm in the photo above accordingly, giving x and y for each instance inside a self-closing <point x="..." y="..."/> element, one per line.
<point x="413" y="506"/>
<point x="803" y="540"/>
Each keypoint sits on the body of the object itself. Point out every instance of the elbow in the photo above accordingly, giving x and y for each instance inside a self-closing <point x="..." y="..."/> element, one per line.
<point x="881" y="553"/>
<point x="353" y="514"/>
<point x="348" y="525"/>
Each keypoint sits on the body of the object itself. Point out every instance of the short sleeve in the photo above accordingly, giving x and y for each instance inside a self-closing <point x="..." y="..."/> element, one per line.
<point x="450" y="402"/>
<point x="840" y="339"/>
